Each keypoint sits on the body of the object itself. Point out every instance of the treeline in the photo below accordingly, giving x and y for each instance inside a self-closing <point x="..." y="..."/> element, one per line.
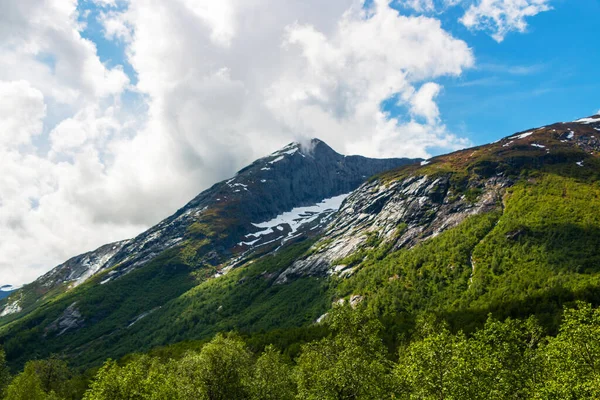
<point x="510" y="359"/>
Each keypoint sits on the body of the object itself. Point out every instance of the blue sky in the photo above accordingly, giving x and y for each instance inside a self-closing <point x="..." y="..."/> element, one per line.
<point x="550" y="73"/>
<point x="547" y="74"/>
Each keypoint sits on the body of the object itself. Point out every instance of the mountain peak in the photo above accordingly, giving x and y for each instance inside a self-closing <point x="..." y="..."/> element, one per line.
<point x="304" y="180"/>
<point x="303" y="147"/>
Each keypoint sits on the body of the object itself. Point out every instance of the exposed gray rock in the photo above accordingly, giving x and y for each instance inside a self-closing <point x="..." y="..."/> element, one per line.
<point x="11" y="308"/>
<point x="355" y="300"/>
<point x="71" y="319"/>
<point x="80" y="268"/>
<point x="404" y="212"/>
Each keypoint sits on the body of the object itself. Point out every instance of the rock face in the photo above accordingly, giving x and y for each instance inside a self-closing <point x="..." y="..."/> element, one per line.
<point x="78" y="269"/>
<point x="290" y="193"/>
<point x="71" y="319"/>
<point x="11" y="308"/>
<point x="403" y="212"/>
<point x="423" y="201"/>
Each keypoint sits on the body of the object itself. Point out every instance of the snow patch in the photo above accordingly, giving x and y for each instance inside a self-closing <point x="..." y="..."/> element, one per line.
<point x="588" y="120"/>
<point x="276" y="160"/>
<point x="142" y="315"/>
<point x="580" y="163"/>
<point x="289" y="152"/>
<point x="521" y="136"/>
<point x="294" y="219"/>
<point x="538" y="145"/>
<point x="425" y="162"/>
<point x="92" y="267"/>
<point x="289" y="149"/>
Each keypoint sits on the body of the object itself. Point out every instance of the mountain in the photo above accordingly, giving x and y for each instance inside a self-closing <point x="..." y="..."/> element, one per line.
<point x="6" y="290"/>
<point x="509" y="229"/>
<point x="287" y="196"/>
<point x="439" y="194"/>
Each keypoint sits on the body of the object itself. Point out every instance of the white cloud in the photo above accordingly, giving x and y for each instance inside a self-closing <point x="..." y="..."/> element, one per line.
<point x="346" y="75"/>
<point x="423" y="102"/>
<point x="22" y="110"/>
<point x="420" y="5"/>
<point x="115" y="27"/>
<point x="219" y="83"/>
<point x="502" y="16"/>
<point x="497" y="17"/>
<point x="105" y="3"/>
<point x="42" y="41"/>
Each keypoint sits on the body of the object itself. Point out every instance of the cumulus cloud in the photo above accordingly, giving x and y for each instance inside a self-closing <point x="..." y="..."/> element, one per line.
<point x="22" y="110"/>
<point x="423" y="103"/>
<point x="88" y="157"/>
<point x="497" y="17"/>
<point x="502" y="16"/>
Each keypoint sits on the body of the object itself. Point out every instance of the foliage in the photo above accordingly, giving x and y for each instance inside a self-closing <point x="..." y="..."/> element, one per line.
<point x="572" y="358"/>
<point x="272" y="377"/>
<point x="510" y="359"/>
<point x="349" y="364"/>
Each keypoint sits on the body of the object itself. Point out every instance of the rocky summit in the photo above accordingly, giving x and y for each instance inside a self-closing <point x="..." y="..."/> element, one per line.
<point x="286" y="196"/>
<point x="291" y="193"/>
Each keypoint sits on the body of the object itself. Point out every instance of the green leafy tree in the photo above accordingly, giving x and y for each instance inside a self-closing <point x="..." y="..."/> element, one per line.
<point x="272" y="377"/>
<point x="349" y="364"/>
<point x="572" y="367"/>
<point x="4" y="374"/>
<point x="54" y="375"/>
<point x="26" y="386"/>
<point x="219" y="372"/>
<point x="437" y="366"/>
<point x="144" y="378"/>
<point x="505" y="358"/>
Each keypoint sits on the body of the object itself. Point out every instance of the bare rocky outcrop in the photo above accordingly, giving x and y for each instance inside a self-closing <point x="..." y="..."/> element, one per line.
<point x="402" y="213"/>
<point x="71" y="319"/>
<point x="11" y="308"/>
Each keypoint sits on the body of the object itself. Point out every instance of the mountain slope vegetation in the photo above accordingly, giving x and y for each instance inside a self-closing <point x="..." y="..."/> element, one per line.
<point x="481" y="265"/>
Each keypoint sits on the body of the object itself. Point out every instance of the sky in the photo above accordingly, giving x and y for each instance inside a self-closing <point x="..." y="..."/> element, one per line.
<point x="115" y="113"/>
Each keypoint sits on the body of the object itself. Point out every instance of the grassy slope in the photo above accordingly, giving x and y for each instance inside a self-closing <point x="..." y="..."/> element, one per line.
<point x="182" y="309"/>
<point x="551" y="261"/>
<point x="537" y="253"/>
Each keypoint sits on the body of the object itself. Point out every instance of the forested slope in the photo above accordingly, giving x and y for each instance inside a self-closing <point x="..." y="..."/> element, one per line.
<point x="472" y="275"/>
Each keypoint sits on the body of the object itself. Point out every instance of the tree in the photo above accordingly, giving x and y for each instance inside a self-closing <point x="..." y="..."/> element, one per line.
<point x="506" y="358"/>
<point x="219" y="372"/>
<point x="435" y="366"/>
<point x="144" y="378"/>
<point x="54" y="375"/>
<point x="572" y="358"/>
<point x="26" y="386"/>
<point x="272" y="377"/>
<point x="349" y="364"/>
<point x="4" y="374"/>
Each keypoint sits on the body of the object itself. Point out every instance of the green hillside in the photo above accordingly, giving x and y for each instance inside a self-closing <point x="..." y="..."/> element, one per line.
<point x="482" y="304"/>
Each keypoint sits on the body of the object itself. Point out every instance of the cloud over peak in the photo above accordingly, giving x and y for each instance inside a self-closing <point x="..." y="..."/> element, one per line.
<point x="89" y="157"/>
